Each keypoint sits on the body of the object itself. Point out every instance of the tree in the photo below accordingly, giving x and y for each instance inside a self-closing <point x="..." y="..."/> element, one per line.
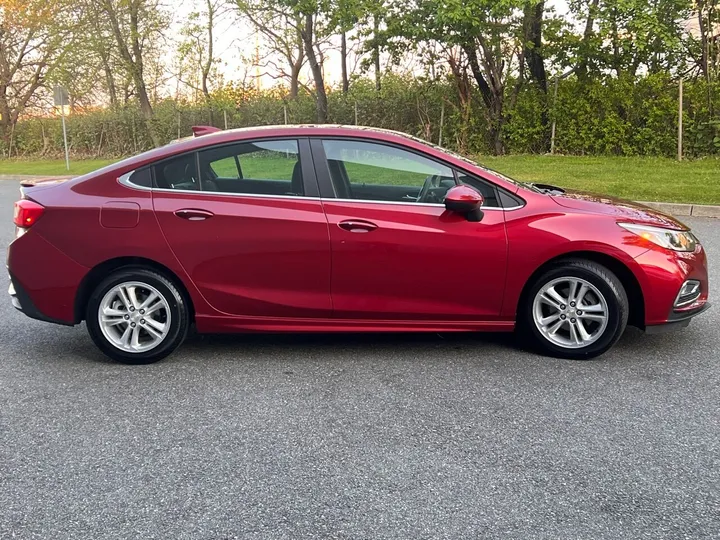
<point x="32" y="35"/>
<point x="533" y="16"/>
<point x="136" y="25"/>
<point x="198" y="46"/>
<point x="344" y="16"/>
<point x="307" y="21"/>
<point x="708" y="21"/>
<point x="491" y="35"/>
<point x="625" y="37"/>
<point x="280" y="26"/>
<point x="309" y="37"/>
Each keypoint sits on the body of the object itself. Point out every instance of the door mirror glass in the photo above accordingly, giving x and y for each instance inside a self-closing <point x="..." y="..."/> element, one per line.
<point x="466" y="201"/>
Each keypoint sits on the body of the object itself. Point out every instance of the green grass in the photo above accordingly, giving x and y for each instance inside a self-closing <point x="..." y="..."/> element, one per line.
<point x="640" y="179"/>
<point x="51" y="167"/>
<point x="647" y="179"/>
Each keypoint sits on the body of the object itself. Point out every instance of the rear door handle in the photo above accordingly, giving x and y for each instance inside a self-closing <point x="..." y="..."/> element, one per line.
<point x="357" y="226"/>
<point x="193" y="214"/>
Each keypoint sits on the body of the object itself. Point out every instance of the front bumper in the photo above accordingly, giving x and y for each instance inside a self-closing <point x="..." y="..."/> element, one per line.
<point x="662" y="275"/>
<point x="676" y="321"/>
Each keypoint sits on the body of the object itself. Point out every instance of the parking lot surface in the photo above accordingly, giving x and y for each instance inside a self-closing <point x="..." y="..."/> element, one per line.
<point x="373" y="436"/>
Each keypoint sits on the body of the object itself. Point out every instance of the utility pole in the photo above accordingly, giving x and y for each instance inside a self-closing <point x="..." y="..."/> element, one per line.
<point x="680" y="121"/>
<point x="61" y="99"/>
<point x="552" y="129"/>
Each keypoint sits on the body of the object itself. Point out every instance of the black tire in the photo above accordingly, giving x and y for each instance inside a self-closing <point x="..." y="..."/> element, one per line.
<point x="606" y="283"/>
<point x="178" y="315"/>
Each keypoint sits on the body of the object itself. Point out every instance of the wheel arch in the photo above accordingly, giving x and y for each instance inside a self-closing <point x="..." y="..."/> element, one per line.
<point x="100" y="271"/>
<point x="626" y="276"/>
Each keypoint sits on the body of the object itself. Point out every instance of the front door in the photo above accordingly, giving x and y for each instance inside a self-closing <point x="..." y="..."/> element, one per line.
<point x="245" y="222"/>
<point x="396" y="253"/>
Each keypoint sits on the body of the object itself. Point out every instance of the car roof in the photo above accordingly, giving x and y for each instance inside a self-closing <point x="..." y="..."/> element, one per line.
<point x="189" y="144"/>
<point x="300" y="130"/>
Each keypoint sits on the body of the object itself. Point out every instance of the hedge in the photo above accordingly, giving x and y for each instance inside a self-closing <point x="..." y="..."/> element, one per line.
<point x="597" y="117"/>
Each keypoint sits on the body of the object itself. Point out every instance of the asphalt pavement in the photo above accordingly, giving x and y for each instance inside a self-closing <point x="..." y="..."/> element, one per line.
<point x="336" y="436"/>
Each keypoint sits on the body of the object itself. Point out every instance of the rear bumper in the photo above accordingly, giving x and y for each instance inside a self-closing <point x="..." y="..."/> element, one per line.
<point x="44" y="281"/>
<point x="22" y="302"/>
<point x="676" y="321"/>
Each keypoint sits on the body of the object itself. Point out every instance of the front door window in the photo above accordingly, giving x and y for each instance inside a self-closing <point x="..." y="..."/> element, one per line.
<point x="378" y="172"/>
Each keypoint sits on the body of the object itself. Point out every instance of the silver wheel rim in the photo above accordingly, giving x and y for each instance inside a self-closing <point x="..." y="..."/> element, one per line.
<point x="134" y="317"/>
<point x="570" y="312"/>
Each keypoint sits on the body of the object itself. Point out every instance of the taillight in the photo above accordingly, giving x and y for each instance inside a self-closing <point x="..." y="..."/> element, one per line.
<point x="27" y="213"/>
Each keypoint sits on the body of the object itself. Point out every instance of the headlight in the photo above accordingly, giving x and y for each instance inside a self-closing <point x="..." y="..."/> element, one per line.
<point x="667" y="238"/>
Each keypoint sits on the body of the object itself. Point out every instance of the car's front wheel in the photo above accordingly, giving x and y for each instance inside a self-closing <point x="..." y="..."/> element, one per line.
<point x="577" y="309"/>
<point x="137" y="316"/>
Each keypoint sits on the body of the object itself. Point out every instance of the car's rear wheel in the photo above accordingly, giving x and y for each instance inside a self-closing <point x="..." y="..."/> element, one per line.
<point x="137" y="316"/>
<point x="578" y="309"/>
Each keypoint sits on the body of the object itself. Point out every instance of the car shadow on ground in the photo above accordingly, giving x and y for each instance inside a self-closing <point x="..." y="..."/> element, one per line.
<point x="357" y="342"/>
<point x="78" y="345"/>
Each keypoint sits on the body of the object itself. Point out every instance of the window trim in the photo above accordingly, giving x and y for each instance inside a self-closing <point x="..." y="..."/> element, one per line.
<point x="327" y="188"/>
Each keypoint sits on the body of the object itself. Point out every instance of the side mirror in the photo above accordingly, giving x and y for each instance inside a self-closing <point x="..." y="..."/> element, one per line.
<point x="466" y="201"/>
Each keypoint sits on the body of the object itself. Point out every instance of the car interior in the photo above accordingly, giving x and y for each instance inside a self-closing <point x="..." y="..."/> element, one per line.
<point x="432" y="191"/>
<point x="182" y="173"/>
<point x="217" y="176"/>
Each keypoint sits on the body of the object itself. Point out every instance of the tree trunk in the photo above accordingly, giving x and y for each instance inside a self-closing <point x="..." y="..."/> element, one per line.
<point x="295" y="79"/>
<point x="207" y="66"/>
<point x="134" y="64"/>
<point x="343" y="62"/>
<point x="296" y="64"/>
<point x="582" y="68"/>
<point x="532" y="29"/>
<point x="497" y="123"/>
<point x="5" y="127"/>
<point x="109" y="79"/>
<point x="147" y="112"/>
<point x="533" y="22"/>
<point x="376" y="51"/>
<point x="493" y="99"/>
<point x="321" y="96"/>
<point x="704" y="41"/>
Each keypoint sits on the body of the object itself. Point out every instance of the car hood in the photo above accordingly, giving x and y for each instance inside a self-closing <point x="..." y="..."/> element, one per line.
<point x="612" y="206"/>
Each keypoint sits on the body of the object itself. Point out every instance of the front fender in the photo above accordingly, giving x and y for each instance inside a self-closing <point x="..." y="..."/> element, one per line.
<point x="536" y="240"/>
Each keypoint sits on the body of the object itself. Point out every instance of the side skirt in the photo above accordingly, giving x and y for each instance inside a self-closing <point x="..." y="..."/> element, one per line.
<point x="212" y="325"/>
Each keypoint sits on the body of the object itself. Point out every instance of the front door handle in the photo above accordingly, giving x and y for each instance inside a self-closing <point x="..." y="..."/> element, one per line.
<point x="193" y="214"/>
<point x="357" y="226"/>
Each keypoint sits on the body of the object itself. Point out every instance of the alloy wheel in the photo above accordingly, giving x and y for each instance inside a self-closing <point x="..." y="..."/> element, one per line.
<point x="134" y="317"/>
<point x="570" y="312"/>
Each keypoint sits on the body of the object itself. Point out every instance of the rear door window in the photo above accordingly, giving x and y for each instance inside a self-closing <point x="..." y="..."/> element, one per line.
<point x="259" y="167"/>
<point x="178" y="173"/>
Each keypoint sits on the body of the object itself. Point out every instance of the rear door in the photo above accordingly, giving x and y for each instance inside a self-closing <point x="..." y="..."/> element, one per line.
<point x="396" y="253"/>
<point x="246" y="223"/>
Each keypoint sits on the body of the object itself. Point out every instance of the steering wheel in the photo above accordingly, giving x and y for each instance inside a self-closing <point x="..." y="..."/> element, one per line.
<point x="431" y="181"/>
<point x="430" y="192"/>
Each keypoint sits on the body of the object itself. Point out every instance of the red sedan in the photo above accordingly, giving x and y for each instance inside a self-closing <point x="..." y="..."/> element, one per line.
<point x="325" y="229"/>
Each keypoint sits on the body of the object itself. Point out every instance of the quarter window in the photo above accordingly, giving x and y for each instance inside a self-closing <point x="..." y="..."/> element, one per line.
<point x="260" y="167"/>
<point x="142" y="178"/>
<point x="486" y="190"/>
<point x="371" y="171"/>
